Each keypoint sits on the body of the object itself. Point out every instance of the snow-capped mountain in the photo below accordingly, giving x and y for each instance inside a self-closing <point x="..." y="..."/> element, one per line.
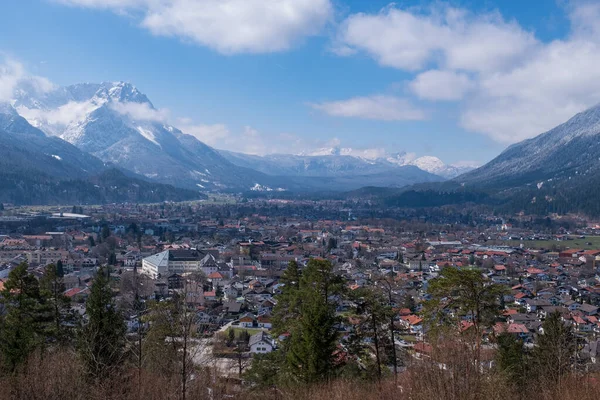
<point x="568" y="152"/>
<point x="382" y="159"/>
<point x="117" y="123"/>
<point x="40" y="169"/>
<point x="432" y="165"/>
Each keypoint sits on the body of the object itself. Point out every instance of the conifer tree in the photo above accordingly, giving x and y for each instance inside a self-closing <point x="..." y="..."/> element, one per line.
<point x="102" y="337"/>
<point x="21" y="329"/>
<point x="555" y="350"/>
<point x="57" y="306"/>
<point x="286" y="310"/>
<point x="310" y="355"/>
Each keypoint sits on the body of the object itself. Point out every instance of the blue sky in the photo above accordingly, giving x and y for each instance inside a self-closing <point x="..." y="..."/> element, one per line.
<point x="460" y="80"/>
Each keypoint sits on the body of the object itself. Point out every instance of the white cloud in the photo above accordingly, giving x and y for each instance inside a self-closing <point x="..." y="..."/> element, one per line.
<point x="412" y="40"/>
<point x="140" y="111"/>
<point x="510" y="85"/>
<point x="377" y="107"/>
<point x="228" y="26"/>
<point x="61" y="116"/>
<point x="212" y="135"/>
<point x="11" y="72"/>
<point x="13" y="75"/>
<point x="441" y="85"/>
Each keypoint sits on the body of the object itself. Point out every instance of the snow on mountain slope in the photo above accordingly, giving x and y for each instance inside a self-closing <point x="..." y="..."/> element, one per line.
<point x="117" y="123"/>
<point x="382" y="159"/>
<point x="570" y="150"/>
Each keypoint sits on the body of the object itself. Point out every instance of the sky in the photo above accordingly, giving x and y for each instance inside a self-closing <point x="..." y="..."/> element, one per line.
<point x="460" y="80"/>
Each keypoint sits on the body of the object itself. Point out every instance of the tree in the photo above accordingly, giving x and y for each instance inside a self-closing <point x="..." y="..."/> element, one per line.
<point x="287" y="309"/>
<point x="310" y="355"/>
<point x="112" y="259"/>
<point x="58" y="306"/>
<point x="331" y="244"/>
<point x="387" y="285"/>
<point x="105" y="232"/>
<point x="21" y="328"/>
<point x="169" y="342"/>
<point x="463" y="294"/>
<point x="102" y="338"/>
<point x="372" y="305"/>
<point x="230" y="336"/>
<point x="553" y="355"/>
<point x="512" y="360"/>
<point x="91" y="241"/>
<point x="266" y="369"/>
<point x="60" y="270"/>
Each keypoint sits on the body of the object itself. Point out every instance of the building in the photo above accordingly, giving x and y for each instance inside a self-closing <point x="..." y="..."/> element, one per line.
<point x="261" y="343"/>
<point x="178" y="261"/>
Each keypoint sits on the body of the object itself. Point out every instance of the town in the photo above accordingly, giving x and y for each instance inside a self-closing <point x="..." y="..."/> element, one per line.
<point x="227" y="261"/>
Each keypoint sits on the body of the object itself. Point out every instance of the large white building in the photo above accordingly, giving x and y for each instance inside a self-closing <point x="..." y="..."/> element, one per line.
<point x="178" y="262"/>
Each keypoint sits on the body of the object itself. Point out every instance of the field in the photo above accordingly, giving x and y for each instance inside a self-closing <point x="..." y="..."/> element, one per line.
<point x="588" y="243"/>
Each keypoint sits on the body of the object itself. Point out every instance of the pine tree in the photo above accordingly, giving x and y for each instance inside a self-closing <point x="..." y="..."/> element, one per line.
<point x="102" y="338"/>
<point x="469" y="295"/>
<point x="512" y="360"/>
<point x="21" y="330"/>
<point x="286" y="310"/>
<point x="105" y="232"/>
<point x="57" y="306"/>
<point x="372" y="305"/>
<point x="310" y="355"/>
<point x="60" y="270"/>
<point x="553" y="355"/>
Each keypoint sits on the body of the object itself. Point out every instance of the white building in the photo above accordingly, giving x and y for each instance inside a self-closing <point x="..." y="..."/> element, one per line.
<point x="177" y="261"/>
<point x="261" y="343"/>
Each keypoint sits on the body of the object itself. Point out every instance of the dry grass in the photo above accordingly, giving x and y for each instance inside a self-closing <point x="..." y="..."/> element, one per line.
<point x="59" y="376"/>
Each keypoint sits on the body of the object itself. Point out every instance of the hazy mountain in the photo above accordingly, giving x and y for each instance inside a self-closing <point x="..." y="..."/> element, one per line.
<point x="568" y="152"/>
<point x="117" y="123"/>
<point x="37" y="169"/>
<point x="333" y="171"/>
<point x="555" y="172"/>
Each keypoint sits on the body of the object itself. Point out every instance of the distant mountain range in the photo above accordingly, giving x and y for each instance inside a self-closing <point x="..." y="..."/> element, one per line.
<point x="430" y="164"/>
<point x="107" y="142"/>
<point x="114" y="124"/>
<point x="37" y="169"/>
<point x="555" y="172"/>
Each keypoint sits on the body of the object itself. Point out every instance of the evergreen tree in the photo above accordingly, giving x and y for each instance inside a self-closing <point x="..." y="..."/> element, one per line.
<point x="555" y="350"/>
<point x="60" y="270"/>
<point x="310" y="355"/>
<point x="60" y="318"/>
<point x="105" y="232"/>
<point x="21" y="329"/>
<point x="512" y="360"/>
<point x="92" y="241"/>
<point x="286" y="310"/>
<point x="102" y="337"/>
<point x="469" y="295"/>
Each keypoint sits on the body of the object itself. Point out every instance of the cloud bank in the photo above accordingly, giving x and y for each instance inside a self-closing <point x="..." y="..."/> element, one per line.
<point x="227" y="26"/>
